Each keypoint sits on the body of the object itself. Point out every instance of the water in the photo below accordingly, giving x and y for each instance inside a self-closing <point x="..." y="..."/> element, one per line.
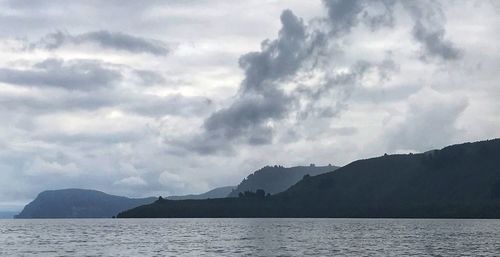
<point x="249" y="237"/>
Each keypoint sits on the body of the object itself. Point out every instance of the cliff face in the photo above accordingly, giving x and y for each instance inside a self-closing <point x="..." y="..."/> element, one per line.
<point x="78" y="203"/>
<point x="459" y="181"/>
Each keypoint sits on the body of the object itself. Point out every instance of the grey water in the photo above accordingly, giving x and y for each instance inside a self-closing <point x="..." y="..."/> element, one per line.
<point x="249" y="237"/>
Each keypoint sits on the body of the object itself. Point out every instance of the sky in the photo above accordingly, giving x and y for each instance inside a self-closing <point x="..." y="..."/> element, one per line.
<point x="148" y="98"/>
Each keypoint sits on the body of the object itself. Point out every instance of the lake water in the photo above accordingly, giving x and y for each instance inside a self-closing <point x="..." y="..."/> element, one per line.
<point x="249" y="237"/>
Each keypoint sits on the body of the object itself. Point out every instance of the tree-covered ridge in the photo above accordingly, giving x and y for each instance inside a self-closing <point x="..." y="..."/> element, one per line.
<point x="276" y="179"/>
<point x="459" y="181"/>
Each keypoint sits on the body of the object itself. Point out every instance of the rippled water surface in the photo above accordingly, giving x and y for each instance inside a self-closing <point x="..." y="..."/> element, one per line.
<point x="249" y="237"/>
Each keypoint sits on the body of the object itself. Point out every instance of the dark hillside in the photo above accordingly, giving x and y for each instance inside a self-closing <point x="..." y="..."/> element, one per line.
<point x="276" y="179"/>
<point x="78" y="203"/>
<point x="459" y="181"/>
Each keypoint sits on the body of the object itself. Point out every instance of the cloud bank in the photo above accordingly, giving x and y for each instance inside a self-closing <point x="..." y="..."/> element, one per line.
<point x="105" y="39"/>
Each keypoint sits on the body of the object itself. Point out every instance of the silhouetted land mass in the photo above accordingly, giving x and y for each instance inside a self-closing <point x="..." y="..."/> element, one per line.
<point x="459" y="181"/>
<point x="219" y="192"/>
<point x="78" y="203"/>
<point x="276" y="179"/>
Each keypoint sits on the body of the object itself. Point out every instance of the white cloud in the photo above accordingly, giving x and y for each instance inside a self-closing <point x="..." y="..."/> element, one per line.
<point x="430" y="122"/>
<point x="41" y="167"/>
<point x="131" y="182"/>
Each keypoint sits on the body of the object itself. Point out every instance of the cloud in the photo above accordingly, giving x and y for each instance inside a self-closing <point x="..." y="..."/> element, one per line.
<point x="105" y="39"/>
<point x="260" y="99"/>
<point x="131" y="182"/>
<point x="326" y="98"/>
<point x="248" y="113"/>
<point x="38" y="102"/>
<point x="343" y="15"/>
<point x="81" y="75"/>
<point x="380" y="14"/>
<point x="171" y="180"/>
<point x="100" y="138"/>
<point x="47" y="102"/>
<point x="149" y="78"/>
<point x="429" y="30"/>
<point x="430" y="122"/>
<point x="386" y="94"/>
<point x="174" y="104"/>
<point x="434" y="44"/>
<point x="42" y="167"/>
<point x="428" y="18"/>
<point x="299" y="52"/>
<point x="277" y="58"/>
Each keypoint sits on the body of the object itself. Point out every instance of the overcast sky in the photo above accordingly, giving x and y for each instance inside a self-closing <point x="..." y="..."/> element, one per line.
<point x="142" y="98"/>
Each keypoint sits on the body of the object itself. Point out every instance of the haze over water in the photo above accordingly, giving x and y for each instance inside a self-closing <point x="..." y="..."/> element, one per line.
<point x="250" y="237"/>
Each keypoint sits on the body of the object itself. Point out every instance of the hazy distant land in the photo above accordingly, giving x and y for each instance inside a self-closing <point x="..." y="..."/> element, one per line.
<point x="8" y="214"/>
<point x="84" y="203"/>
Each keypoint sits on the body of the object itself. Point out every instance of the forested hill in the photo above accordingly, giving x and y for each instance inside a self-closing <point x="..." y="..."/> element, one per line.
<point x="459" y="181"/>
<point x="276" y="179"/>
<point x="79" y="203"/>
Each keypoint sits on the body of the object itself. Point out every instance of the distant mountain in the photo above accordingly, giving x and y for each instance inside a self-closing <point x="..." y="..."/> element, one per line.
<point x="78" y="203"/>
<point x="459" y="181"/>
<point x="276" y="179"/>
<point x="7" y="214"/>
<point x="219" y="192"/>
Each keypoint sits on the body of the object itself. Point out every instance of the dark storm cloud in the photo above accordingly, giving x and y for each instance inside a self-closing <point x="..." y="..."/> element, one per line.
<point x="248" y="113"/>
<point x="73" y="75"/>
<point x="277" y="58"/>
<point x="260" y="98"/>
<point x="434" y="44"/>
<point x="344" y="82"/>
<point x="429" y="30"/>
<point x="248" y="120"/>
<point x="343" y="14"/>
<point x="346" y="14"/>
<point x="105" y="39"/>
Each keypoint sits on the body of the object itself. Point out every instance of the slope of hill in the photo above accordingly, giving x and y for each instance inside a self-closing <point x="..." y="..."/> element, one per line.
<point x="459" y="181"/>
<point x="219" y="192"/>
<point x="276" y="179"/>
<point x="78" y="203"/>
